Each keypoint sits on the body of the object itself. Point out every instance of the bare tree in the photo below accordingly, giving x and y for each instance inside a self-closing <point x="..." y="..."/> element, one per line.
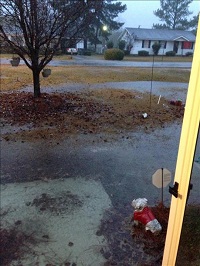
<point x="37" y="27"/>
<point x="174" y="14"/>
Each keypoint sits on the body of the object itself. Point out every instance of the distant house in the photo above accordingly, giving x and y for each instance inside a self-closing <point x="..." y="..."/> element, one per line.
<point x="138" y="39"/>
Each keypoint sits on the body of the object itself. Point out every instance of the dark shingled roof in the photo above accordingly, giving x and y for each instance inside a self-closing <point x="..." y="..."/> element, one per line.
<point x="161" y="34"/>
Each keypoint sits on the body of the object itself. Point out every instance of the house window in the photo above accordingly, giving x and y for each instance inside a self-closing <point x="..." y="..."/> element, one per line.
<point x="187" y="45"/>
<point x="146" y="44"/>
<point x="163" y="44"/>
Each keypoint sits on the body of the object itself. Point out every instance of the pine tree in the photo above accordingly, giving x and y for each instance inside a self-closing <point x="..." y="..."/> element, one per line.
<point x="106" y="15"/>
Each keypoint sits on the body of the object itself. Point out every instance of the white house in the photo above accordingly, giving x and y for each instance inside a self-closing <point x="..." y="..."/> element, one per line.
<point x="138" y="39"/>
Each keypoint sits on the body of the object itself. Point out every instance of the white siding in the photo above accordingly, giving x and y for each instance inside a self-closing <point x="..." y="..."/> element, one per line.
<point x="170" y="46"/>
<point x="80" y="44"/>
<point x="137" y="46"/>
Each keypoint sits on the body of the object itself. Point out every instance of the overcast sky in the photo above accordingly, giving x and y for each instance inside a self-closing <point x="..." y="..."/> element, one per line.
<point x="140" y="13"/>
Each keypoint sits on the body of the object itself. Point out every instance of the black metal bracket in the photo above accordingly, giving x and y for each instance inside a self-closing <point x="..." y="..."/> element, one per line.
<point x="174" y="190"/>
<point x="189" y="189"/>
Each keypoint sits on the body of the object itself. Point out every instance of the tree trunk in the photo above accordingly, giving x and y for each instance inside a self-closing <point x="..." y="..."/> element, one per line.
<point x="36" y="83"/>
<point x="96" y="38"/>
<point x="85" y="43"/>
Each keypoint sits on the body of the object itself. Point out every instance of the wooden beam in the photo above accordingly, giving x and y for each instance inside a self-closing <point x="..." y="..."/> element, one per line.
<point x="185" y="158"/>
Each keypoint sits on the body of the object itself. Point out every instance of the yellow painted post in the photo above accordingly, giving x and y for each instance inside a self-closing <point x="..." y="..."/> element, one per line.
<point x="185" y="157"/>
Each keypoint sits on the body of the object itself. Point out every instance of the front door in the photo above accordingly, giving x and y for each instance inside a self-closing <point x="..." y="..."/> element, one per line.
<point x="175" y="49"/>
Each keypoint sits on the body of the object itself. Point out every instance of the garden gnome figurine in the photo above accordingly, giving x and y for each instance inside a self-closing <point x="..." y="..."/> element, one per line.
<point x="144" y="215"/>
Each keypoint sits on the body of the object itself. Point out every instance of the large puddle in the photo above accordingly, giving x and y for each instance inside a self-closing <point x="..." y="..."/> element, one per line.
<point x="167" y="89"/>
<point x="124" y="164"/>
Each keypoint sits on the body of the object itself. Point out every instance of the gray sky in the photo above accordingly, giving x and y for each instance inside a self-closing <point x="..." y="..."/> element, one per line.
<point x="141" y="12"/>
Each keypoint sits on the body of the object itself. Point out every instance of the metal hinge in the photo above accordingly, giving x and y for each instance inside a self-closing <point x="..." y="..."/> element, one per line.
<point x="174" y="190"/>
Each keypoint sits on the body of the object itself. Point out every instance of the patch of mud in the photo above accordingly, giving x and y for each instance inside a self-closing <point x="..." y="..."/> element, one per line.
<point x="66" y="202"/>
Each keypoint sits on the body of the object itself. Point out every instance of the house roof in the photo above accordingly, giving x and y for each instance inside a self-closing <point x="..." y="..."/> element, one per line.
<point x="160" y="34"/>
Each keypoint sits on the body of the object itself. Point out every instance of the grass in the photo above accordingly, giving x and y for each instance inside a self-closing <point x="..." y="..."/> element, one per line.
<point x="158" y="58"/>
<point x="57" y="57"/>
<point x="13" y="78"/>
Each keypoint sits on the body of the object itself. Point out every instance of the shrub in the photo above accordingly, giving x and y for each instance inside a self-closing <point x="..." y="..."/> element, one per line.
<point x="121" y="44"/>
<point x="189" y="54"/>
<point x="156" y="47"/>
<point x="110" y="44"/>
<point x="82" y="51"/>
<point x="114" y="54"/>
<point x="170" y="53"/>
<point x="86" y="52"/>
<point x="58" y="52"/>
<point x="6" y="49"/>
<point x="143" y="53"/>
<point x="126" y="52"/>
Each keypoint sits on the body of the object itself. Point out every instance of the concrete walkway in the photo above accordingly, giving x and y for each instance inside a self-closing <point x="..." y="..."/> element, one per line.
<point x="62" y="215"/>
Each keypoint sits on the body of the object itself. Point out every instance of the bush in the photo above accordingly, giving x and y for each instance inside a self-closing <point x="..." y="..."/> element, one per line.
<point x="114" y="54"/>
<point x="156" y="47"/>
<point x="110" y="44"/>
<point x="189" y="54"/>
<point x="143" y="53"/>
<point x="170" y="53"/>
<point x="43" y="51"/>
<point x="58" y="52"/>
<point x="6" y="49"/>
<point x="126" y="52"/>
<point x="82" y="51"/>
<point x="121" y="44"/>
<point x="86" y="52"/>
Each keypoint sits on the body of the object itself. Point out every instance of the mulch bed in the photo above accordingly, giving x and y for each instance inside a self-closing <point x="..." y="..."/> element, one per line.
<point x="88" y="112"/>
<point x="128" y="248"/>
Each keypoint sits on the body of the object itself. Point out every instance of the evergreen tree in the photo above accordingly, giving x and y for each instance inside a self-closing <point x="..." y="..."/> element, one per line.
<point x="156" y="47"/>
<point x="122" y="45"/>
<point x="110" y="44"/>
<point x="174" y="14"/>
<point x="105" y="15"/>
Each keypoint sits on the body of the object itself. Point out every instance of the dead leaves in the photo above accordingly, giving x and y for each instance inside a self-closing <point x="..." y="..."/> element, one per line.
<point x="13" y="244"/>
<point x="94" y="111"/>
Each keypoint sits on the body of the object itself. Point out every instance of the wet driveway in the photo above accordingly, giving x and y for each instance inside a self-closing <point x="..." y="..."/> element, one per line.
<point x="90" y="61"/>
<point x="124" y="164"/>
<point x="95" y="62"/>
